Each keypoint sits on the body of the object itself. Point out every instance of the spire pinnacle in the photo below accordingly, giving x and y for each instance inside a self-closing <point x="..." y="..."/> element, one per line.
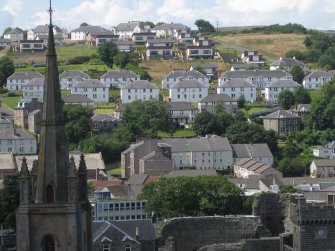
<point x="50" y="10"/>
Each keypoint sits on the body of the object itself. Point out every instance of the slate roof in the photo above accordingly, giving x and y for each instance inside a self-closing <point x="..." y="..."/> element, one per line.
<point x="15" y="134"/>
<point x="76" y="98"/>
<point x="14" y="31"/>
<point x="36" y="82"/>
<point x="145" y="228"/>
<point x="254" y="166"/>
<point x="89" y="28"/>
<point x="320" y="74"/>
<point x="124" y="43"/>
<point x="5" y="121"/>
<point x="287" y="62"/>
<point x="120" y="74"/>
<point x="255" y="73"/>
<point x="45" y="36"/>
<point x="185" y="74"/>
<point x="191" y="173"/>
<point x="103" y="117"/>
<point x="217" y="98"/>
<point x="137" y="179"/>
<point x="251" y="150"/>
<point x="5" y="40"/>
<point x="74" y="74"/>
<point x="188" y="83"/>
<point x="177" y="26"/>
<point x="236" y="83"/>
<point x="126" y="26"/>
<point x="180" y="106"/>
<point x="280" y="114"/>
<point x="160" y="40"/>
<point x="284" y="84"/>
<point x="45" y="28"/>
<point x="101" y="33"/>
<point x="89" y="83"/>
<point x="324" y="162"/>
<point x="26" y="75"/>
<point x="140" y="84"/>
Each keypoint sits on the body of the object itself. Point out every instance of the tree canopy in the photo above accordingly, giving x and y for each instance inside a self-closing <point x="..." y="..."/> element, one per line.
<point x="107" y="51"/>
<point x="204" y="26"/>
<point x="84" y="24"/>
<point x="297" y="73"/>
<point x="302" y="96"/>
<point x="7" y="68"/>
<point x="192" y="196"/>
<point x="286" y="99"/>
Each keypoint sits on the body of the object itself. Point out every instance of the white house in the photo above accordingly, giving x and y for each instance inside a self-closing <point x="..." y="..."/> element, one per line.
<point x="5" y="43"/>
<point x="30" y="45"/>
<point x="97" y="37"/>
<point x="126" y="46"/>
<point x="287" y="64"/>
<point x="69" y="78"/>
<point x="143" y="37"/>
<point x="200" y="48"/>
<point x="17" y="141"/>
<point x="210" y="102"/>
<point x="260" y="78"/>
<point x="170" y="30"/>
<point x="17" y="80"/>
<point x="14" y="35"/>
<point x="182" y="112"/>
<point x="159" y="49"/>
<point x="179" y="75"/>
<point x="272" y="90"/>
<point x="248" y="167"/>
<point x="327" y="151"/>
<point x="118" y="79"/>
<point x="237" y="87"/>
<point x="139" y="90"/>
<point x="126" y="30"/>
<point x="252" y="57"/>
<point x="42" y="30"/>
<point x="79" y="34"/>
<point x="316" y="79"/>
<point x="259" y="152"/>
<point x="191" y="91"/>
<point x="93" y="89"/>
<point x="34" y="89"/>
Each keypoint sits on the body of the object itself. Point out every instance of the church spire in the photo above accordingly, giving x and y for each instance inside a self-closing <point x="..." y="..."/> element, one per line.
<point x="53" y="153"/>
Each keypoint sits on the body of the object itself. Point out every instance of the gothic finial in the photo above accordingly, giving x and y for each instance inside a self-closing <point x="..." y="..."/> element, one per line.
<point x="72" y="167"/>
<point x="24" y="168"/>
<point x="34" y="168"/>
<point x="50" y="10"/>
<point x="82" y="165"/>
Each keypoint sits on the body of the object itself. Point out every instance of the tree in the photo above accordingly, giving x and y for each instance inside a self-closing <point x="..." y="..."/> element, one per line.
<point x="107" y="52"/>
<point x="9" y="201"/>
<point x="7" y="68"/>
<point x="286" y="99"/>
<point x="297" y="73"/>
<point x="205" y="123"/>
<point x="204" y="26"/>
<point x="146" y="23"/>
<point x="302" y="96"/>
<point x="289" y="189"/>
<point x="241" y="101"/>
<point x="77" y="122"/>
<point x="8" y="29"/>
<point x="299" y="55"/>
<point x="144" y="75"/>
<point x="122" y="58"/>
<point x="327" y="60"/>
<point x="206" y="195"/>
<point x="83" y="24"/>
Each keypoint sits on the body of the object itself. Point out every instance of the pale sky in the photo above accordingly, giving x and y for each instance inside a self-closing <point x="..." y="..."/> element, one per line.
<point x="69" y="14"/>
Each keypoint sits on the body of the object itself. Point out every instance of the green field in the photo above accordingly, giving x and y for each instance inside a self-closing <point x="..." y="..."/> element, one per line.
<point x="105" y="108"/>
<point x="315" y="93"/>
<point x="10" y="102"/>
<point x="178" y="134"/>
<point x="254" y="109"/>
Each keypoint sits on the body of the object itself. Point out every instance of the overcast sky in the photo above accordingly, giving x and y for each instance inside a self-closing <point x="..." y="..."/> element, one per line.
<point x="317" y="14"/>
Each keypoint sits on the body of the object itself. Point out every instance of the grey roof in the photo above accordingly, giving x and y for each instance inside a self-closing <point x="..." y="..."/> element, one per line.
<point x="254" y="166"/>
<point x="185" y="74"/>
<point x="235" y="83"/>
<point x="14" y="31"/>
<point x="45" y="28"/>
<point x="324" y="162"/>
<point x="103" y="117"/>
<point x="180" y="106"/>
<point x="280" y="114"/>
<point x="140" y="84"/>
<point x="102" y="33"/>
<point x="145" y="228"/>
<point x="177" y="26"/>
<point x="191" y="173"/>
<point x="304" y="180"/>
<point x="255" y="73"/>
<point x="284" y="83"/>
<point x="15" y="134"/>
<point x="251" y="150"/>
<point x="5" y="121"/>
<point x="76" y="98"/>
<point x="26" y="75"/>
<point x="74" y="74"/>
<point x="205" y="66"/>
<point x="45" y="36"/>
<point x="120" y="74"/>
<point x="130" y="26"/>
<point x="188" y="83"/>
<point x="241" y="66"/>
<point x="89" y="83"/>
<point x="287" y="62"/>
<point x="89" y="28"/>
<point x="137" y="179"/>
<point x="217" y="98"/>
<point x="35" y="82"/>
<point x="201" y="144"/>
<point x="320" y="74"/>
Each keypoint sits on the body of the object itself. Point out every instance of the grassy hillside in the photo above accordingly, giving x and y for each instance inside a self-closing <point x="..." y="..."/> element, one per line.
<point x="273" y="45"/>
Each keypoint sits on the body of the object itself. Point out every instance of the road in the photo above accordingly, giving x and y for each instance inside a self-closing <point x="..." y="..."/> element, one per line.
<point x="241" y="49"/>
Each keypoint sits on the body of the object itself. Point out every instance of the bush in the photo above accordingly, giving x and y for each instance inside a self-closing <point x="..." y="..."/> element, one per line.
<point x="79" y="60"/>
<point x="11" y="94"/>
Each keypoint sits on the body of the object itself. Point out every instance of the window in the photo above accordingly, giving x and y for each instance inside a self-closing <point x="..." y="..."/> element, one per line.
<point x="49" y="244"/>
<point x="127" y="247"/>
<point x="105" y="247"/>
<point x="94" y="89"/>
<point x="85" y="89"/>
<point x="94" y="95"/>
<point x="21" y="149"/>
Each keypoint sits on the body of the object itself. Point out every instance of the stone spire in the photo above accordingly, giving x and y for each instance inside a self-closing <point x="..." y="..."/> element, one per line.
<point x="24" y="183"/>
<point x="82" y="179"/>
<point x="53" y="153"/>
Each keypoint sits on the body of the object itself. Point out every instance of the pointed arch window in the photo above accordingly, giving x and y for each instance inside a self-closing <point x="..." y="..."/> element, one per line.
<point x="50" y="194"/>
<point x="49" y="244"/>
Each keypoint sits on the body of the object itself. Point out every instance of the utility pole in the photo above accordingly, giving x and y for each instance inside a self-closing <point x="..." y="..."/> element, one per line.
<point x="217" y="26"/>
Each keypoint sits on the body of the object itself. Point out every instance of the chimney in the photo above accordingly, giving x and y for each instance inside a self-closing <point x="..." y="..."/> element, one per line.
<point x="137" y="237"/>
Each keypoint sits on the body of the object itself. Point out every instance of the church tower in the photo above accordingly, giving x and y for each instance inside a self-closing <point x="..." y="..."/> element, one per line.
<point x="54" y="212"/>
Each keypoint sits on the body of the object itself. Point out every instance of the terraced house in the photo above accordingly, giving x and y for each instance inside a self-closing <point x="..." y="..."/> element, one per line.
<point x="139" y="90"/>
<point x="274" y="89"/>
<point x="316" y="79"/>
<point x="238" y="87"/>
<point x="17" y="80"/>
<point x="179" y="75"/>
<point x="93" y="89"/>
<point x="118" y="79"/>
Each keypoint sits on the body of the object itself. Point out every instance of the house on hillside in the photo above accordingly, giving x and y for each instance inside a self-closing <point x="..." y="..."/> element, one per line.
<point x="236" y="88"/>
<point x="322" y="168"/>
<point x="182" y="112"/>
<point x="95" y="38"/>
<point x="14" y="35"/>
<point x="326" y="151"/>
<point x="118" y="79"/>
<point x="17" y="141"/>
<point x="170" y="30"/>
<point x="248" y="167"/>
<point x="282" y="122"/>
<point x="29" y="46"/>
<point x="201" y="48"/>
<point x="191" y="91"/>
<point x="273" y="90"/>
<point x="316" y="79"/>
<point x="287" y="63"/>
<point x="18" y="80"/>
<point x="159" y="49"/>
<point x="103" y="122"/>
<point x="210" y="102"/>
<point x="126" y="46"/>
<point x="78" y="99"/>
<point x="252" y="57"/>
<point x="5" y="43"/>
<point x="93" y="89"/>
<point x="68" y="78"/>
<point x="176" y="76"/>
<point x="28" y="115"/>
<point x="126" y="30"/>
<point x="210" y="70"/>
<point x="143" y="37"/>
<point x="256" y="151"/>
<point x="33" y="90"/>
<point x="80" y="33"/>
<point x="139" y="90"/>
<point x="43" y="30"/>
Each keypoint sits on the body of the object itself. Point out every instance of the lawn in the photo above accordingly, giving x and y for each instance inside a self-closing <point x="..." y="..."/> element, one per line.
<point x="105" y="108"/>
<point x="114" y="172"/>
<point x="315" y="93"/>
<point x="254" y="109"/>
<point x="187" y="133"/>
<point x="11" y="102"/>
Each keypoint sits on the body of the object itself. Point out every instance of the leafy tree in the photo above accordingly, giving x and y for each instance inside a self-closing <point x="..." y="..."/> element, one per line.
<point x="122" y="58"/>
<point x="8" y="29"/>
<point x="204" y="26"/>
<point x="9" y="201"/>
<point x="84" y="24"/>
<point x="299" y="55"/>
<point x="77" y="122"/>
<point x="297" y="73"/>
<point x="200" y="69"/>
<point x="107" y="51"/>
<point x="289" y="189"/>
<point x="286" y="99"/>
<point x="205" y="196"/>
<point x="146" y="23"/>
<point x="144" y="75"/>
<point x="241" y="101"/>
<point x="292" y="167"/>
<point x="7" y="68"/>
<point x="205" y="123"/>
<point x="302" y="96"/>
<point x="327" y="60"/>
